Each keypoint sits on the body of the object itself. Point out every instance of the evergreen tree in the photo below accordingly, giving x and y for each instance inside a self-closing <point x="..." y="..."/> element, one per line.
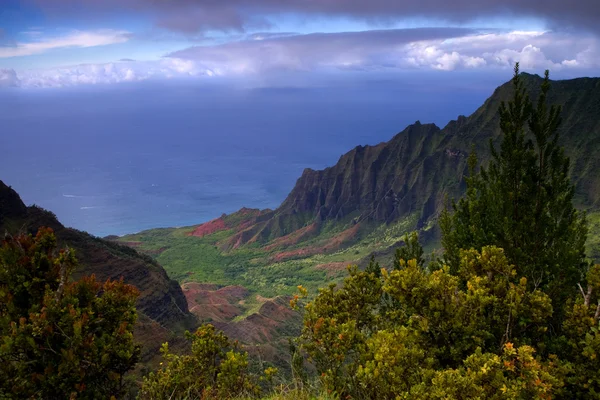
<point x="412" y="250"/>
<point x="523" y="201"/>
<point x="373" y="267"/>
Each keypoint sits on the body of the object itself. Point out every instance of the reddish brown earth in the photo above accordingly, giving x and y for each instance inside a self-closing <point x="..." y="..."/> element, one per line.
<point x="263" y="330"/>
<point x="333" y="244"/>
<point x="292" y="238"/>
<point x="244" y="223"/>
<point x="210" y="227"/>
<point x="274" y="319"/>
<point x="345" y="236"/>
<point x="287" y="255"/>
<point x="209" y="303"/>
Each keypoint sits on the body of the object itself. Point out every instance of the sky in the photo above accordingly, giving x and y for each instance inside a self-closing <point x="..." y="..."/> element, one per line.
<point x="122" y="115"/>
<point x="70" y="43"/>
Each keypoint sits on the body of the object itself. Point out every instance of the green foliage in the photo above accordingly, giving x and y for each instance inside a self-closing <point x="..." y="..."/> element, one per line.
<point x="514" y="374"/>
<point x="523" y="201"/>
<point x="214" y="369"/>
<point x="582" y="339"/>
<point x="412" y="250"/>
<point x="336" y="326"/>
<point x="61" y="339"/>
<point x="373" y="267"/>
<point x="490" y="322"/>
<point x="366" y="346"/>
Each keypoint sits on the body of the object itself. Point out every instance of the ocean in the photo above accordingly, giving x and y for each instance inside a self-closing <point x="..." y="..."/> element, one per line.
<point x="119" y="159"/>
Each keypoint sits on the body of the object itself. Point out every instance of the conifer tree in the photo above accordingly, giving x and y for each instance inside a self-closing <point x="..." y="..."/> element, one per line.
<point x="523" y="201"/>
<point x="373" y="267"/>
<point x="412" y="250"/>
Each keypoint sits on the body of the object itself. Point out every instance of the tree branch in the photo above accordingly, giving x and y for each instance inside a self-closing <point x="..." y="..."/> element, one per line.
<point x="586" y="297"/>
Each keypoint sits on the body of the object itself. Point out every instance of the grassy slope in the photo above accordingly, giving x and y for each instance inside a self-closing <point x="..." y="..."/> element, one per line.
<point x="192" y="259"/>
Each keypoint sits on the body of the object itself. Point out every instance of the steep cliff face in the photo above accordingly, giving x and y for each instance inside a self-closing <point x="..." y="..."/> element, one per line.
<point x="161" y="302"/>
<point x="377" y="182"/>
<point x="422" y="165"/>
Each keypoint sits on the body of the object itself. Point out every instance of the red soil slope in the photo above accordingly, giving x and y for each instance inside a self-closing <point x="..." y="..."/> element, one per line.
<point x="333" y="244"/>
<point x="209" y="303"/>
<point x="210" y="227"/>
<point x="292" y="238"/>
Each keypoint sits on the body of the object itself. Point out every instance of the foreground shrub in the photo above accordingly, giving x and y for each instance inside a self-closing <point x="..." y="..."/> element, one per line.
<point x="214" y="369"/>
<point x="61" y="339"/>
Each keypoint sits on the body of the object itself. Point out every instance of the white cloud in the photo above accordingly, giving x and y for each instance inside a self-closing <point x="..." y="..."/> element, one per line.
<point x="126" y="71"/>
<point x="389" y="51"/>
<point x="73" y="39"/>
<point x="534" y="50"/>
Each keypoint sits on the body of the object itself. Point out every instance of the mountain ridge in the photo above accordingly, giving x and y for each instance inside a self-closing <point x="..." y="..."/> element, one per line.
<point x="391" y="179"/>
<point x="405" y="181"/>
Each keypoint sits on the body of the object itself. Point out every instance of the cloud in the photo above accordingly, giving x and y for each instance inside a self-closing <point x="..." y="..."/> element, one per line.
<point x="203" y="15"/>
<point x="534" y="50"/>
<point x="8" y="78"/>
<point x="107" y="73"/>
<point x="348" y="50"/>
<point x="73" y="39"/>
<point x="442" y="49"/>
<point x="271" y="57"/>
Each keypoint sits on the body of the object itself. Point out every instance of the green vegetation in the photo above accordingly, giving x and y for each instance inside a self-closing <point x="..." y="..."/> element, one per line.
<point x="214" y="369"/>
<point x="200" y="259"/>
<point x="58" y="338"/>
<point x="523" y="201"/>
<point x="593" y="242"/>
<point x="482" y="322"/>
<point x="509" y="309"/>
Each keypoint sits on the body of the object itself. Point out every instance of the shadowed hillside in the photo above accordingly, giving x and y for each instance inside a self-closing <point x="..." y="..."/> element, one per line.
<point x="162" y="306"/>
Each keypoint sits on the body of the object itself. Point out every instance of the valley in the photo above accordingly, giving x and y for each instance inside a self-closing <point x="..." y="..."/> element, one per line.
<point x="233" y="267"/>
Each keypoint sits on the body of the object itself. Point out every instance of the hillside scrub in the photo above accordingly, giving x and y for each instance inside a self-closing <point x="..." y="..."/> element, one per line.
<point x="59" y="338"/>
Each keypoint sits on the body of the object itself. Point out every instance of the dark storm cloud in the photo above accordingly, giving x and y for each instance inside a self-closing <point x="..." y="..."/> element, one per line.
<point x="237" y="15"/>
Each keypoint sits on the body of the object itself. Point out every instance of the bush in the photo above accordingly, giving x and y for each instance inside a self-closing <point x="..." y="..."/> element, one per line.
<point x="214" y="369"/>
<point x="61" y="339"/>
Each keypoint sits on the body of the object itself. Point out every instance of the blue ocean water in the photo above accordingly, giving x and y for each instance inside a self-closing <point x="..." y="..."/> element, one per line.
<point x="120" y="159"/>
